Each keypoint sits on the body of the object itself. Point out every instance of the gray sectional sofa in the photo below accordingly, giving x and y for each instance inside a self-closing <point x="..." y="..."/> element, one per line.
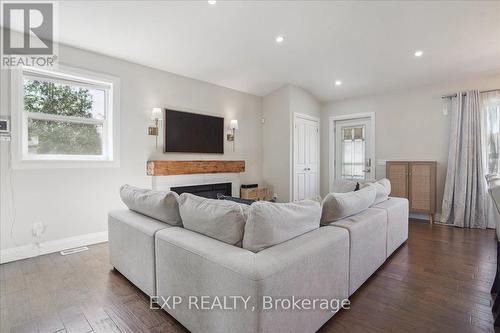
<point x="329" y="262"/>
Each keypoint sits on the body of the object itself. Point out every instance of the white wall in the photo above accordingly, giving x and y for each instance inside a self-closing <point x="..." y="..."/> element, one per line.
<point x="278" y="109"/>
<point x="410" y="124"/>
<point x="74" y="202"/>
<point x="301" y="101"/>
<point x="276" y="142"/>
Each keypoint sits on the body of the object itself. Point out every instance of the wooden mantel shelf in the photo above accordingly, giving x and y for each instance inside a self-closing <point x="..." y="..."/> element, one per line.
<point x="169" y="168"/>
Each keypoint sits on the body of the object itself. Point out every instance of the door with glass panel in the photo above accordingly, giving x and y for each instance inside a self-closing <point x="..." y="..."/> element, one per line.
<point x="354" y="157"/>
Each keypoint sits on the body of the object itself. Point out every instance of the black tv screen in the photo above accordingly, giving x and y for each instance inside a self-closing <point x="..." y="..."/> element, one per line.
<point x="193" y="133"/>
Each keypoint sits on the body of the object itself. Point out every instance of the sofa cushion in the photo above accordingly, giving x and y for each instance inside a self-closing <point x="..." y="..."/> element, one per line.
<point x="270" y="223"/>
<point x="313" y="265"/>
<point x="159" y="205"/>
<point x="368" y="244"/>
<point x="397" y="222"/>
<point x="337" y="206"/>
<point x="344" y="185"/>
<point x="131" y="243"/>
<point x="223" y="220"/>
<point x="383" y="187"/>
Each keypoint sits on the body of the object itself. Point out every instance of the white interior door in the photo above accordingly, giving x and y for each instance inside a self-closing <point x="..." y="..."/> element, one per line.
<point x="306" y="158"/>
<point x="354" y="153"/>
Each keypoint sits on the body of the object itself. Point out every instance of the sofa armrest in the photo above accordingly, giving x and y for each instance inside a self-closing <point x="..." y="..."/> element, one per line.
<point x="131" y="246"/>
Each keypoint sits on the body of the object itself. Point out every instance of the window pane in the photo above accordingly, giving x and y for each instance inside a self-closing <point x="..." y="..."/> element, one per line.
<point x="353" y="152"/>
<point x="358" y="133"/>
<point x="62" y="138"/>
<point x="492" y="110"/>
<point x="347" y="133"/>
<point x="359" y="154"/>
<point x="64" y="99"/>
<point x="347" y="145"/>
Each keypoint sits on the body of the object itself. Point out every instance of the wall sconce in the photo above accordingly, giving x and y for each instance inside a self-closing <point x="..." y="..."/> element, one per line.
<point x="156" y="115"/>
<point x="233" y="126"/>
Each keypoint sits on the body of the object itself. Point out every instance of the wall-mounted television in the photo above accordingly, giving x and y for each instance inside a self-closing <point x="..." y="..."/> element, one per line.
<point x="187" y="132"/>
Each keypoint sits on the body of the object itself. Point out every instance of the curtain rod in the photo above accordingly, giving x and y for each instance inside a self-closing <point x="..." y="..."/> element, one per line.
<point x="463" y="94"/>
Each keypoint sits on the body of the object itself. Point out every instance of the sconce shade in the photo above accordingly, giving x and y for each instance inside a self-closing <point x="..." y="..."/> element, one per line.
<point x="233" y="124"/>
<point x="156" y="113"/>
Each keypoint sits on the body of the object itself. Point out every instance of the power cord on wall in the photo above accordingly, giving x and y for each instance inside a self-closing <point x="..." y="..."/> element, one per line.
<point x="12" y="205"/>
<point x="12" y="210"/>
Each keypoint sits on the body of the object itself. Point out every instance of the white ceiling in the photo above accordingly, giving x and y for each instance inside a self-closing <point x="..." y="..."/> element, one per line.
<point x="368" y="45"/>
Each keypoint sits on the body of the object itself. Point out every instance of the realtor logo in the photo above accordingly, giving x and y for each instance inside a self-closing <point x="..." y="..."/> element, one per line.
<point x="28" y="34"/>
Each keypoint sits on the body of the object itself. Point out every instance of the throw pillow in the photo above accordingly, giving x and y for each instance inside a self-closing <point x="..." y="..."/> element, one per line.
<point x="344" y="186"/>
<point x="159" y="205"/>
<point x="223" y="220"/>
<point x="337" y="206"/>
<point x="271" y="223"/>
<point x="383" y="187"/>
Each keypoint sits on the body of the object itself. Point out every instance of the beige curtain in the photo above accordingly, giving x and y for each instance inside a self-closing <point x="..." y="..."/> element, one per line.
<point x="465" y="188"/>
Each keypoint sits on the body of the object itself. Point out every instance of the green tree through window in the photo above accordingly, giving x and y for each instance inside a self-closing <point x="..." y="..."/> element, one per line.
<point x="59" y="136"/>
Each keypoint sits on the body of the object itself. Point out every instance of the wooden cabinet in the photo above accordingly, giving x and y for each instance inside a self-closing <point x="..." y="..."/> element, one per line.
<point x="397" y="173"/>
<point x="416" y="181"/>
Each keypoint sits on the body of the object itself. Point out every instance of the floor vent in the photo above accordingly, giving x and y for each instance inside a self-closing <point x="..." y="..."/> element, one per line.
<point x="75" y="250"/>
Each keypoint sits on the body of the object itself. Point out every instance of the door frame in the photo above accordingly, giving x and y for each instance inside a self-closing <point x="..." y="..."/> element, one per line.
<point x="318" y="151"/>
<point x="331" y="142"/>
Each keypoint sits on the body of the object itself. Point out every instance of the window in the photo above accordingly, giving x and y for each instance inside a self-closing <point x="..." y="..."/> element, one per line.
<point x="65" y="117"/>
<point x="353" y="151"/>
<point x="491" y="109"/>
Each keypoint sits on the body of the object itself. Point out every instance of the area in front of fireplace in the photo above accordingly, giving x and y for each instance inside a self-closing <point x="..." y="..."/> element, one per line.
<point x="206" y="190"/>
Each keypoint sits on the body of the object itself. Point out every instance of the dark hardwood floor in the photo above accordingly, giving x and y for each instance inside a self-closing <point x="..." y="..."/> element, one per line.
<point x="438" y="281"/>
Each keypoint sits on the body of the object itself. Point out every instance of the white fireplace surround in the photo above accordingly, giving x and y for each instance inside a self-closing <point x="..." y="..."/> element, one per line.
<point x="164" y="183"/>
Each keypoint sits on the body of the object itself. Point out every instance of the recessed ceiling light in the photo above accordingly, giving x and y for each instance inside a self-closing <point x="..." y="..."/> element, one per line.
<point x="418" y="53"/>
<point x="280" y="39"/>
<point x="338" y="83"/>
<point x="212" y="2"/>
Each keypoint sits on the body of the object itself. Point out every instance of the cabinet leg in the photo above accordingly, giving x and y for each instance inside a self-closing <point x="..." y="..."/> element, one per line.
<point x="431" y="219"/>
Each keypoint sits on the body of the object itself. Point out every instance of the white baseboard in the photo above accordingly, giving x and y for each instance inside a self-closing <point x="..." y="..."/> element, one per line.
<point x="31" y="250"/>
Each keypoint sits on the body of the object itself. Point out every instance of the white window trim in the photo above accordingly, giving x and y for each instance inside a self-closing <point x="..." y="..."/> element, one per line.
<point x="19" y="118"/>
